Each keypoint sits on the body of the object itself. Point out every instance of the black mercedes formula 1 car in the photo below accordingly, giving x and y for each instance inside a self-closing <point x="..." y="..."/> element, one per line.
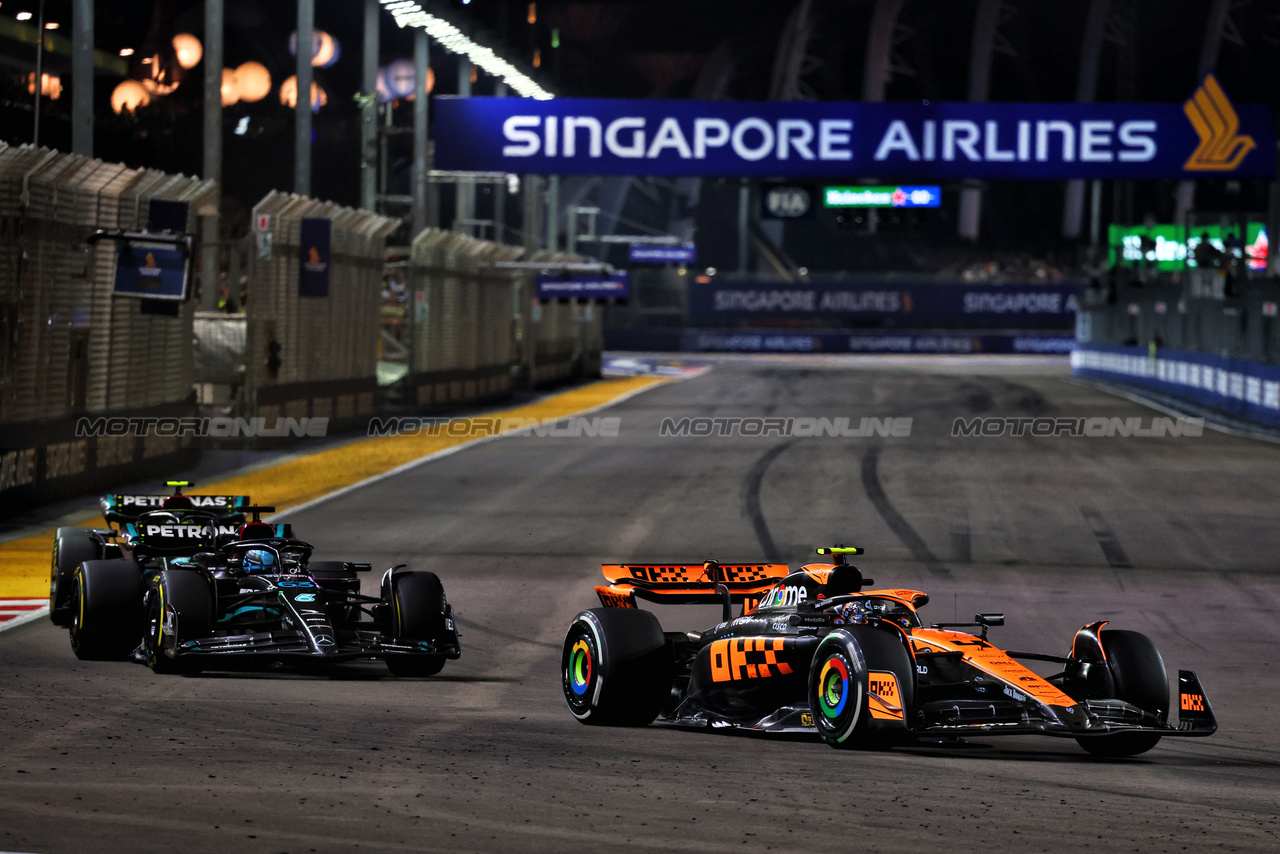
<point x="815" y="651"/>
<point x="134" y="518"/>
<point x="171" y="589"/>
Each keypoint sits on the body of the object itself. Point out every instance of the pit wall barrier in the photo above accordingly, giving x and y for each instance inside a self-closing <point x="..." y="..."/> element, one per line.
<point x="1241" y="324"/>
<point x="1238" y="387"/>
<point x="68" y="347"/>
<point x="313" y="356"/>
<point x="477" y="330"/>
<point x="219" y="370"/>
<point x="460" y="328"/>
<point x="558" y="339"/>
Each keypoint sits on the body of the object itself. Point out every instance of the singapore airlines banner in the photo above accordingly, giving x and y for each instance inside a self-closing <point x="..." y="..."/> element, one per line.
<point x="905" y="305"/>
<point x="1206" y="137"/>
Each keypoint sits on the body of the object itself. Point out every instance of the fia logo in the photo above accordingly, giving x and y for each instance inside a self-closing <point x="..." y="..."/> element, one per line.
<point x="787" y="202"/>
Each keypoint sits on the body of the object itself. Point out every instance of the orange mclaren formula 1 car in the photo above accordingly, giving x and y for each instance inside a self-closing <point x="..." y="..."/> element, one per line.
<point x="815" y="651"/>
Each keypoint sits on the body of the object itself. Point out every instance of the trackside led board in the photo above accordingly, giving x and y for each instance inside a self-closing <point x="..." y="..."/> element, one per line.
<point x="150" y="271"/>
<point x="581" y="286"/>
<point x="1207" y="136"/>
<point x="882" y="197"/>
<point x="900" y="304"/>
<point x="647" y="253"/>
<point x="1169" y="246"/>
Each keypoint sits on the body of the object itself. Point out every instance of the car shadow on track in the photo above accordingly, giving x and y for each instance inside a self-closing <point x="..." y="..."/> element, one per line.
<point x="348" y="674"/>
<point x="985" y="750"/>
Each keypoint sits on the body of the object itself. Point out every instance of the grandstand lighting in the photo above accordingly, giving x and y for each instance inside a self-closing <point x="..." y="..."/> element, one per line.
<point x="408" y="13"/>
<point x="23" y="16"/>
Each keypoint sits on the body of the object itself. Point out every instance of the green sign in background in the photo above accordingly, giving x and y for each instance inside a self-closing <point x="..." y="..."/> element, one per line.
<point x="1173" y="250"/>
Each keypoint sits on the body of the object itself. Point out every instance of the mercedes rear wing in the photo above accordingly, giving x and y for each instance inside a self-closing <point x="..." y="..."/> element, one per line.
<point x="687" y="583"/>
<point x="128" y="507"/>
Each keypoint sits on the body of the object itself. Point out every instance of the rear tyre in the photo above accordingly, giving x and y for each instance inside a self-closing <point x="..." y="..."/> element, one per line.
<point x="179" y="609"/>
<point x="848" y="667"/>
<point x="106" y="609"/>
<point x="1137" y="670"/>
<point x="417" y="614"/>
<point x="71" y="547"/>
<point x="616" y="667"/>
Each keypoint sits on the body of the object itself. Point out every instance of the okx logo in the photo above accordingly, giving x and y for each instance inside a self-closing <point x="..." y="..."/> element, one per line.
<point x="1221" y="148"/>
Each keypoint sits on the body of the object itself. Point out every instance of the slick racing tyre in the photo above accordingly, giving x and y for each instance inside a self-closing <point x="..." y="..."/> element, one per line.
<point x="106" y="609"/>
<point x="71" y="547"/>
<point x="861" y="688"/>
<point x="616" y="667"/>
<point x="179" y="609"/>
<point x="417" y="614"/>
<point x="1138" y="673"/>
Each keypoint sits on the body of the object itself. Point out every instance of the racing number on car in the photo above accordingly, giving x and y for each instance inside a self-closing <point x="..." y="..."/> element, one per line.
<point x="748" y="658"/>
<point x="1192" y="703"/>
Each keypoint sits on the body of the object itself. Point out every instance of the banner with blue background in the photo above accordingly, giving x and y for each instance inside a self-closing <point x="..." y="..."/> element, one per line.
<point x="316" y="235"/>
<point x="1205" y="137"/>
<point x="150" y="271"/>
<point x="898" y="304"/>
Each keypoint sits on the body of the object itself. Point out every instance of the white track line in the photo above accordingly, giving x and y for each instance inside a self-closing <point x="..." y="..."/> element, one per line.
<point x="24" y="611"/>
<point x="412" y="464"/>
<point x="446" y="452"/>
<point x="1170" y="407"/>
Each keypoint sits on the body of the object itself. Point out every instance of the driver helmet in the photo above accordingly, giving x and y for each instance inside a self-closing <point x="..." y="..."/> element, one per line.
<point x="856" y="612"/>
<point x="259" y="561"/>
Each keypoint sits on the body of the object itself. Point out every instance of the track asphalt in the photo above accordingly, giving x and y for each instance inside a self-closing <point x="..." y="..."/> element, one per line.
<point x="1174" y="537"/>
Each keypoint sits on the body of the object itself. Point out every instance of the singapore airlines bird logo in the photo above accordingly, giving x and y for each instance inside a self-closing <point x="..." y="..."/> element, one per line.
<point x="1221" y="148"/>
<point x="149" y="273"/>
<point x="315" y="263"/>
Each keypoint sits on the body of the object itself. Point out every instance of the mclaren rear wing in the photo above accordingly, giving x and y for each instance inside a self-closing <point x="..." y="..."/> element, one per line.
<point x="687" y="583"/>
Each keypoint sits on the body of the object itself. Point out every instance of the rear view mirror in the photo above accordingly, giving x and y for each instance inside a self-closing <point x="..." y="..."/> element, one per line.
<point x="989" y="619"/>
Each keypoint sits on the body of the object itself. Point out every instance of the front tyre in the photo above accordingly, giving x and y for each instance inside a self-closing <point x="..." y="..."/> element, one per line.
<point x="860" y="688"/>
<point x="417" y="614"/>
<point x="179" y="609"/>
<point x="106" y="609"/>
<point x="616" y="667"/>
<point x="1138" y="672"/>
